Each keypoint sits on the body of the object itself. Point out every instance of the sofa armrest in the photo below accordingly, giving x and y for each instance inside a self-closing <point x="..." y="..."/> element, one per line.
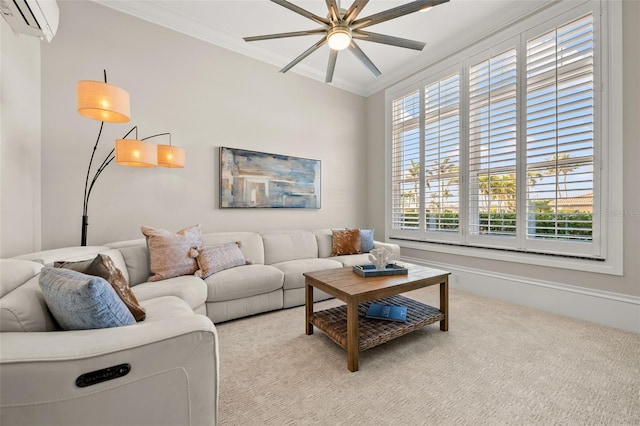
<point x="173" y="377"/>
<point x="393" y="248"/>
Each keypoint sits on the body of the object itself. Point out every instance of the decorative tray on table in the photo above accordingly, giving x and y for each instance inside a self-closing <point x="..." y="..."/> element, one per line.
<point x="372" y="271"/>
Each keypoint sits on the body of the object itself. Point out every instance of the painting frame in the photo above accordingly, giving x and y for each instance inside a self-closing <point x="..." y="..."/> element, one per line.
<point x="260" y="180"/>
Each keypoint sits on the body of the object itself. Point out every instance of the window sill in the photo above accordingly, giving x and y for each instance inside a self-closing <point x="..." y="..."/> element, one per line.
<point x="608" y="266"/>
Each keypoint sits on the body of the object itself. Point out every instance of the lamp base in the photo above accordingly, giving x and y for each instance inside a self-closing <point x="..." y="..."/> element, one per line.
<point x="85" y="224"/>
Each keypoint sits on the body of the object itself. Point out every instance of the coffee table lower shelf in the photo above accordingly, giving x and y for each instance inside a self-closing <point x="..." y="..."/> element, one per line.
<point x="374" y="332"/>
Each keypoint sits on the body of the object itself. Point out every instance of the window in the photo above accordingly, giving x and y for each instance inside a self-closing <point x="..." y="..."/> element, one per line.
<point x="560" y="133"/>
<point x="406" y="162"/>
<point x="492" y="146"/>
<point x="442" y="154"/>
<point x="497" y="146"/>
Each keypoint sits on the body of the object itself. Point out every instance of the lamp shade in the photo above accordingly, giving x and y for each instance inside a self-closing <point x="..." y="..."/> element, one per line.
<point x="103" y="102"/>
<point x="170" y="156"/>
<point x="135" y="153"/>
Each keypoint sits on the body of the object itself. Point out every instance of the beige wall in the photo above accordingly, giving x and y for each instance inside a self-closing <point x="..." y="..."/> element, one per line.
<point x="209" y="97"/>
<point x="627" y="284"/>
<point x="206" y="97"/>
<point x="19" y="142"/>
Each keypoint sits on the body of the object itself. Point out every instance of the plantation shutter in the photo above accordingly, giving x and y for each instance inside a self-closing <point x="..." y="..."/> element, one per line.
<point x="442" y="154"/>
<point x="560" y="133"/>
<point x="492" y="146"/>
<point x="405" y="167"/>
<point x="499" y="147"/>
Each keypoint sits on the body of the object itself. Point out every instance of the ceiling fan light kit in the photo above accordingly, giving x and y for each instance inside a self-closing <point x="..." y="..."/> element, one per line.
<point x="339" y="37"/>
<point x="341" y="28"/>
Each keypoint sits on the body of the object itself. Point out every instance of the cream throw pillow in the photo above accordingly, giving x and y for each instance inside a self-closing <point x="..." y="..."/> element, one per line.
<point x="169" y="252"/>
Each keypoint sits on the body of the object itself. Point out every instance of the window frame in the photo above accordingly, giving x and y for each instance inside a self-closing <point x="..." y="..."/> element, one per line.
<point x="608" y="147"/>
<point x="479" y="240"/>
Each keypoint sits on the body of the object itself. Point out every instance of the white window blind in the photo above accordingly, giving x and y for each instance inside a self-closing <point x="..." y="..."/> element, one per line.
<point x="405" y="167"/>
<point x="560" y="133"/>
<point x="492" y="145"/>
<point x="498" y="146"/>
<point x="442" y="154"/>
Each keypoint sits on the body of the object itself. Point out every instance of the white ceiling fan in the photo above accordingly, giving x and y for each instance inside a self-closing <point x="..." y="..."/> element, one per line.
<point x="341" y="28"/>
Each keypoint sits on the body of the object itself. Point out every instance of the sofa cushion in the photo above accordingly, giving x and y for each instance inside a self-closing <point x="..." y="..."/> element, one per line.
<point x="187" y="287"/>
<point x="251" y="244"/>
<point x="169" y="252"/>
<point x="24" y="309"/>
<point x="293" y="270"/>
<point x="15" y="272"/>
<point x="243" y="281"/>
<point x="217" y="258"/>
<point x="345" y="242"/>
<point x="161" y="308"/>
<point x="102" y="266"/>
<point x="353" y="259"/>
<point x="237" y="308"/>
<point x="82" y="302"/>
<point x="281" y="246"/>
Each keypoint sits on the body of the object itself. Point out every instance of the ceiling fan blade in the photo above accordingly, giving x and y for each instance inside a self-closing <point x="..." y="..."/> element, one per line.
<point x="302" y="12"/>
<point x="283" y="35"/>
<point x="364" y="58"/>
<point x="387" y="39"/>
<point x="334" y="10"/>
<point x="396" y="12"/>
<point x="306" y="53"/>
<point x="333" y="55"/>
<point x="355" y="9"/>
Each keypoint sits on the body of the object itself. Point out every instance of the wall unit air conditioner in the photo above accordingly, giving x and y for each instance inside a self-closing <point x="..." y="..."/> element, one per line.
<point x="33" y="17"/>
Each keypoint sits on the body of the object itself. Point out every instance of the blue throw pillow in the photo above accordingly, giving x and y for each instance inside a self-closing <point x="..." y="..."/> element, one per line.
<point x="82" y="302"/>
<point x="366" y="240"/>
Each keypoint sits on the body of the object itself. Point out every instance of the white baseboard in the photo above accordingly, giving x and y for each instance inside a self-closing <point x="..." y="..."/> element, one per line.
<point x="606" y="308"/>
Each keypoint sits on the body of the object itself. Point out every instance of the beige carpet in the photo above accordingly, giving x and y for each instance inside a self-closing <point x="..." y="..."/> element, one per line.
<point x="498" y="364"/>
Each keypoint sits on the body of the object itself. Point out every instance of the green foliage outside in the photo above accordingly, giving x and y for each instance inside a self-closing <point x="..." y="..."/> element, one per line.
<point x="498" y="191"/>
<point x="544" y="223"/>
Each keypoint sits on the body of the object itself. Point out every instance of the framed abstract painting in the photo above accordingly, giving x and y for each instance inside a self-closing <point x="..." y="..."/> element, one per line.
<point x="250" y="179"/>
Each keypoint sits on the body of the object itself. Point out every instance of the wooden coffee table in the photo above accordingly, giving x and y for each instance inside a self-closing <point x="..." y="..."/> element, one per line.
<point x="347" y="325"/>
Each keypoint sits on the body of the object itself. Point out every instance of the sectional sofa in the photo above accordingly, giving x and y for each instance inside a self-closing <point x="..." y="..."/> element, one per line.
<point x="172" y="355"/>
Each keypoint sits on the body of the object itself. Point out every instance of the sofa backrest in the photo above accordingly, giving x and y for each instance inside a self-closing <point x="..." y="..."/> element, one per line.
<point x="22" y="305"/>
<point x="135" y="256"/>
<point x="47" y="257"/>
<point x="74" y="254"/>
<point x="15" y="272"/>
<point x="251" y="244"/>
<point x="324" y="238"/>
<point x="281" y="246"/>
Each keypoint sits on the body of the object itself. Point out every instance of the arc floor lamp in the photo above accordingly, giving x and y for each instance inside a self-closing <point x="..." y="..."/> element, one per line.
<point x="108" y="103"/>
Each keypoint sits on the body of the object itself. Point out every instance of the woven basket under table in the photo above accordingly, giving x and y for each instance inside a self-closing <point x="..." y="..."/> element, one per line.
<point x="374" y="332"/>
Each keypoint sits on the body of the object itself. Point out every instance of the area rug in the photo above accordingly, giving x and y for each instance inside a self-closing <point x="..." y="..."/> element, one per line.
<point x="499" y="364"/>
